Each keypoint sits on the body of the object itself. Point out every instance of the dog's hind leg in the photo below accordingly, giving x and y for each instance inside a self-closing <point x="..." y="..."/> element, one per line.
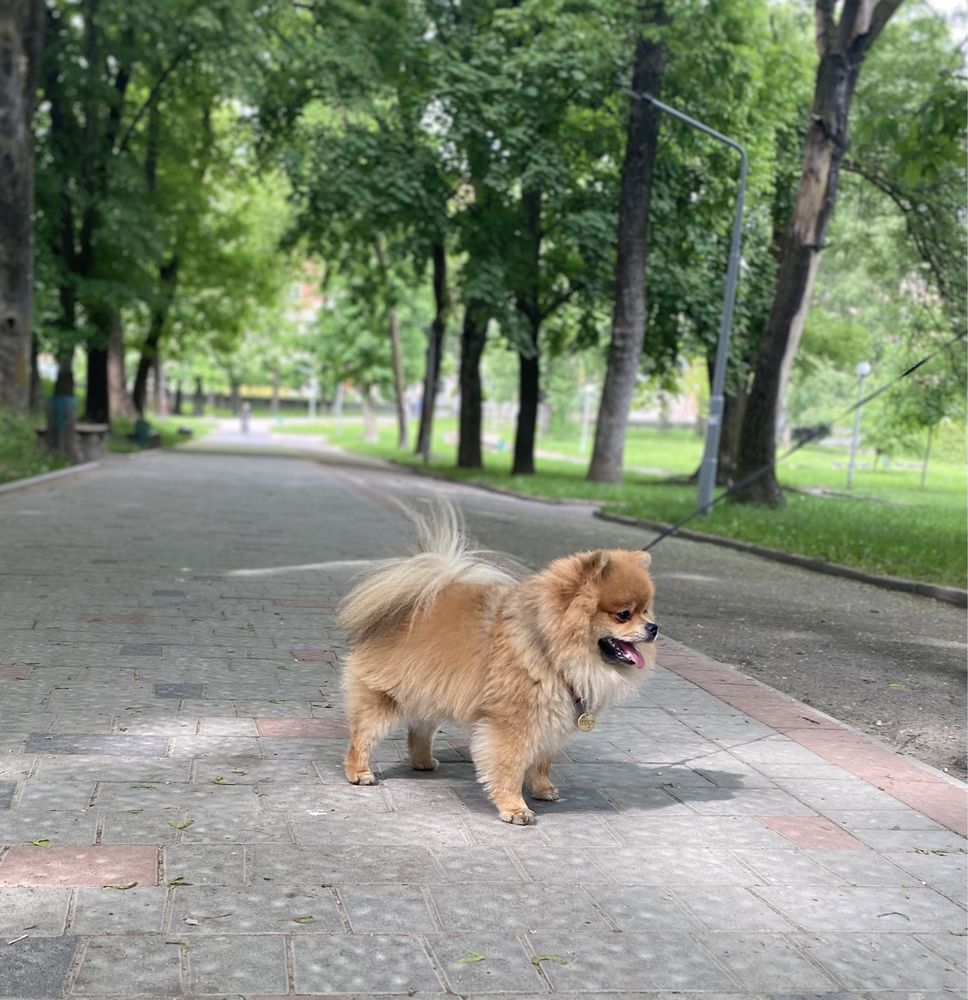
<point x="420" y="743"/>
<point x="370" y="714"/>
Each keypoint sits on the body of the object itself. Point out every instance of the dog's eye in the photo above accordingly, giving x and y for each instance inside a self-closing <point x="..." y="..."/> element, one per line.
<point x="623" y="616"/>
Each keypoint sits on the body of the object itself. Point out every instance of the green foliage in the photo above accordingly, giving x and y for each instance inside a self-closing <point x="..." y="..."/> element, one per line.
<point x="909" y="145"/>
<point x="745" y="69"/>
<point x="20" y="454"/>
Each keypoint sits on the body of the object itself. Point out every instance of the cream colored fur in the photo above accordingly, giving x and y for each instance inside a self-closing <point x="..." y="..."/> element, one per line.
<point x="446" y="634"/>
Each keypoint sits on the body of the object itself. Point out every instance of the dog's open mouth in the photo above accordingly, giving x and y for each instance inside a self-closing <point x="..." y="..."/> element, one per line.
<point x="621" y="652"/>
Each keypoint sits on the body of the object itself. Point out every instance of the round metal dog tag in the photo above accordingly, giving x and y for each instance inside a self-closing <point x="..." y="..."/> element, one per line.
<point x="586" y="722"/>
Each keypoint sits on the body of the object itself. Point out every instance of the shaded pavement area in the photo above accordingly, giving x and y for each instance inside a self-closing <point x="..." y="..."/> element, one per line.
<point x="174" y="821"/>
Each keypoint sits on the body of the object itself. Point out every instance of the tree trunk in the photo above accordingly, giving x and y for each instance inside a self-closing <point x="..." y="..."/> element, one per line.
<point x="178" y="400"/>
<point x="398" y="384"/>
<point x="235" y="400"/>
<point x="168" y="282"/>
<point x="97" y="407"/>
<point x="36" y="384"/>
<point x="842" y="46"/>
<point x="529" y="356"/>
<point x="64" y="384"/>
<point x="435" y="347"/>
<point x="119" y="401"/>
<point x="396" y="356"/>
<point x="734" y="408"/>
<point x="472" y="341"/>
<point x="371" y="434"/>
<point x="628" y="315"/>
<point x="274" y="403"/>
<point x="20" y="46"/>
<point x="927" y="457"/>
<point x="198" y="400"/>
<point x="161" y="390"/>
<point x="528" y="394"/>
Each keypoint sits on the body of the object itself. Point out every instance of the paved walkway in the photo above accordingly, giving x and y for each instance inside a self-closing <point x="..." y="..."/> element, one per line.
<point x="173" y="820"/>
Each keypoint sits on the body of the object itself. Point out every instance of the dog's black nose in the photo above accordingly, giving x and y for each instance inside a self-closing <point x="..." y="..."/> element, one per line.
<point x="651" y="630"/>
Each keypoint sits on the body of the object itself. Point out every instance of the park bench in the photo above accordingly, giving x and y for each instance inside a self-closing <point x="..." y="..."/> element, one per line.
<point x="92" y="441"/>
<point x="83" y="442"/>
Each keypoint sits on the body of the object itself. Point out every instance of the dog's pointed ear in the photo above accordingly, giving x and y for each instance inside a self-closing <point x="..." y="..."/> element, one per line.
<point x="594" y="564"/>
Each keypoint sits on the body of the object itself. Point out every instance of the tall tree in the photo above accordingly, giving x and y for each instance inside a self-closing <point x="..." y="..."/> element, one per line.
<point x="628" y="316"/>
<point x="842" y="46"/>
<point x="21" y="33"/>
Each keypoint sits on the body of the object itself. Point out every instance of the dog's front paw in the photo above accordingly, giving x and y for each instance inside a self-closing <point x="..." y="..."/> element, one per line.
<point x="361" y="778"/>
<point x="546" y="794"/>
<point x="424" y="764"/>
<point x="519" y="817"/>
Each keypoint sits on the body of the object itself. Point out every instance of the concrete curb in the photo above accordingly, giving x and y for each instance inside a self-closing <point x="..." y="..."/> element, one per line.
<point x="47" y="477"/>
<point x="950" y="595"/>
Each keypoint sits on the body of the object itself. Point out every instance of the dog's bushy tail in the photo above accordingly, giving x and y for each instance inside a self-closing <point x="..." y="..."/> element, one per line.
<point x="395" y="591"/>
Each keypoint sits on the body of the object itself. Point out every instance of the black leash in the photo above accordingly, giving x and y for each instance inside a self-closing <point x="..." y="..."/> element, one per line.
<point x="817" y="432"/>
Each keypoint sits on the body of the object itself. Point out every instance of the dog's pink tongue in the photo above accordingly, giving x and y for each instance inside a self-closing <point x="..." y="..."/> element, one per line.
<point x="633" y="652"/>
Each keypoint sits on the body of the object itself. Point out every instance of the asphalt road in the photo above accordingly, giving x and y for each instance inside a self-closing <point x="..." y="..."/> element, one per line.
<point x="890" y="664"/>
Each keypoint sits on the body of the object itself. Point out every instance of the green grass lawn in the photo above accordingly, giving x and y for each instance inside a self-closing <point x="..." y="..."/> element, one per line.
<point x="887" y="525"/>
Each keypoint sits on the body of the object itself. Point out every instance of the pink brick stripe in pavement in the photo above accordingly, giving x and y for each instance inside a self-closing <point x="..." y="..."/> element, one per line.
<point x="942" y="801"/>
<point x="311" y="654"/>
<point x="812" y="832"/>
<point x="14" y="672"/>
<point x="301" y="602"/>
<point x="107" y="864"/>
<point x="304" y="729"/>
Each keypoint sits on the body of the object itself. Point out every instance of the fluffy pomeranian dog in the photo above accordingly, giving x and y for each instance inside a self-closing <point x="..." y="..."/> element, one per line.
<point x="446" y="634"/>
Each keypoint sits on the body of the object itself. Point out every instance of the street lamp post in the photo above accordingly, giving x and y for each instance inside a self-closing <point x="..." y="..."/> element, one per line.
<point x="863" y="370"/>
<point x="714" y="424"/>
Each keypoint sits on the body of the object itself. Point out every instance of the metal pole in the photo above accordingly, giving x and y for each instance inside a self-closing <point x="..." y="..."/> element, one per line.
<point x="863" y="370"/>
<point x="714" y="425"/>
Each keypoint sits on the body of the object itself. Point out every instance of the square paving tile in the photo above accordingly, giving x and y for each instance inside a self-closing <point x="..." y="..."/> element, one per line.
<point x="642" y="907"/>
<point x="97" y="865"/>
<point x="387" y="909"/>
<point x="768" y="963"/>
<point x="363" y="963"/>
<point x="259" y="909"/>
<point x="110" y="746"/>
<point x="205" y="865"/>
<point x="43" y="909"/>
<point x="865" y="909"/>
<point x="730" y="908"/>
<point x="149" y="964"/>
<point x="179" y="690"/>
<point x="139" y="910"/>
<point x="237" y="964"/>
<point x="635" y="960"/>
<point x="7" y="788"/>
<point x="36" y="967"/>
<point x="497" y="907"/>
<point x="668" y="865"/>
<point x="481" y="963"/>
<point x="882" y="962"/>
<point x="142" y="649"/>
